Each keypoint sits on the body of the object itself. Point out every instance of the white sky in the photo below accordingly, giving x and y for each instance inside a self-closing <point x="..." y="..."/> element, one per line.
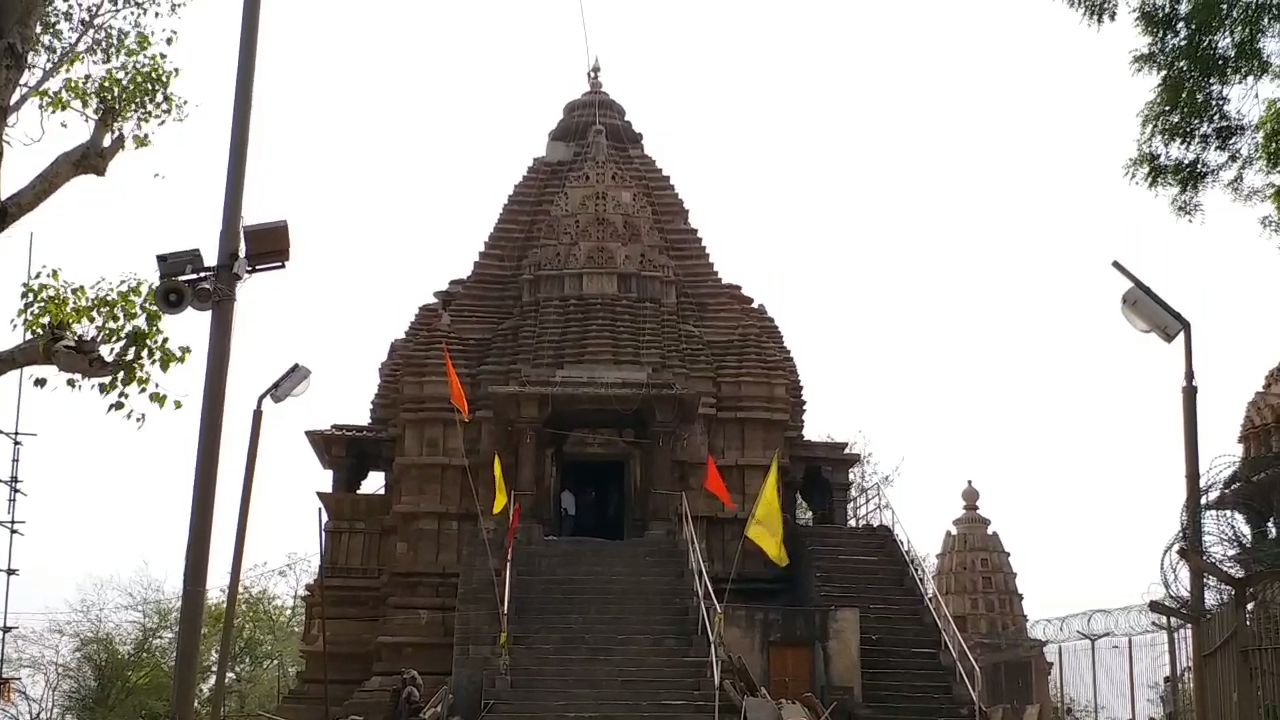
<point x="926" y="196"/>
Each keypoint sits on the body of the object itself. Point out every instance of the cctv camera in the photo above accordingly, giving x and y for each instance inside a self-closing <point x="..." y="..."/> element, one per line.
<point x="202" y="296"/>
<point x="173" y="296"/>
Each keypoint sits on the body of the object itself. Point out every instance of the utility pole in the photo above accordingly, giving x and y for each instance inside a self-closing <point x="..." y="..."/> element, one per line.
<point x="204" y="490"/>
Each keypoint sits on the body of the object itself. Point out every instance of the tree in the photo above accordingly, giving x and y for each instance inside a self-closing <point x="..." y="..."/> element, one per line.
<point x="107" y="336"/>
<point x="1068" y="707"/>
<point x="866" y="475"/>
<point x="1213" y="119"/>
<point x="100" y="68"/>
<point x="110" y="655"/>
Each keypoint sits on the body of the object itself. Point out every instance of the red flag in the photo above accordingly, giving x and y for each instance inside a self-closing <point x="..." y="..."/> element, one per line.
<point x="715" y="484"/>
<point x="456" y="394"/>
<point x="511" y="527"/>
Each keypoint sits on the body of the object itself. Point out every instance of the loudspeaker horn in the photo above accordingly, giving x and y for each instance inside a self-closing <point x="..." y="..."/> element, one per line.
<point x="172" y="296"/>
<point x="202" y="296"/>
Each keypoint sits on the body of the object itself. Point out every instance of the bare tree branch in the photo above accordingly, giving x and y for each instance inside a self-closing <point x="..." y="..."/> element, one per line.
<point x="77" y="357"/>
<point x="90" y="157"/>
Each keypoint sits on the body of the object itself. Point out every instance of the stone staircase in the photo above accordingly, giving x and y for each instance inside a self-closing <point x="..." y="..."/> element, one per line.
<point x="605" y="630"/>
<point x="906" y="675"/>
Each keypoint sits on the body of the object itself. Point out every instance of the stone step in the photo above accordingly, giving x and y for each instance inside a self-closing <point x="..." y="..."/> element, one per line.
<point x="663" y="572"/>
<point x="628" y="680"/>
<point x="649" y="640"/>
<point x="888" y="623"/>
<point x="857" y="579"/>
<point x="592" y="546"/>
<point x="911" y="696"/>
<point x="551" y="590"/>
<point x="603" y="708"/>
<point x="898" y="641"/>
<point x="692" y="665"/>
<point x="607" y="575"/>
<point x="622" y="611"/>
<point x="855" y="548"/>
<point x="895" y="631"/>
<point x="901" y="663"/>
<point x="604" y="569"/>
<point x="878" y="656"/>
<point x="614" y="603"/>
<point x="856" y="566"/>
<point x="888" y="711"/>
<point x="934" y="679"/>
<point x="848" y="530"/>
<point x="569" y="694"/>
<point x="882" y="689"/>
<point x="647" y="714"/>
<point x="685" y="628"/>
<point x="872" y="599"/>
<point x="602" y="651"/>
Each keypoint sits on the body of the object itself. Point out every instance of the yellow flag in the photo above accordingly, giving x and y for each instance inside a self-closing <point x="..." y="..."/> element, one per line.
<point x="499" y="486"/>
<point x="764" y="527"/>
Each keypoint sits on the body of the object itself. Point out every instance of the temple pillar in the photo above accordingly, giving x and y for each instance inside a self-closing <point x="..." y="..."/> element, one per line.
<point x="840" y="494"/>
<point x="658" y="507"/>
<point x="528" y="459"/>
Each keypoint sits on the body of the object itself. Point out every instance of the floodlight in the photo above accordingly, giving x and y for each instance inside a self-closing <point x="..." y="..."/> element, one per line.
<point x="266" y="245"/>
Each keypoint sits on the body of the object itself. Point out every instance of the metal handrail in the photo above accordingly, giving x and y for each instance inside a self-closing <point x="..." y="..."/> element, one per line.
<point x="871" y="506"/>
<point x="713" y="621"/>
<point x="504" y="636"/>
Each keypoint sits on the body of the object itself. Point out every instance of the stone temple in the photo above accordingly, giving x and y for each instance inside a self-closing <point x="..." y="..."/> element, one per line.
<point x="601" y="353"/>
<point x="975" y="579"/>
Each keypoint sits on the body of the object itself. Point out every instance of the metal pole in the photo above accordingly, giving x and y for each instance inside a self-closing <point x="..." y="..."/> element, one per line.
<point x="1062" y="688"/>
<point x="1195" y="539"/>
<point x="1174" y="670"/>
<point x="237" y="560"/>
<point x="1133" y="692"/>
<point x="1093" y="664"/>
<point x="324" y="616"/>
<point x="204" y="490"/>
<point x="1093" y="670"/>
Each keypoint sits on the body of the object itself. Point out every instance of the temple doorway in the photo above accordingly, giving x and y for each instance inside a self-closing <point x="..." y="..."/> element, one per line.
<point x="598" y="487"/>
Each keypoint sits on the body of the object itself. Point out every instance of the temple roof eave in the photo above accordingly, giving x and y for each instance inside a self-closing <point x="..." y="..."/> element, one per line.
<point x="338" y="444"/>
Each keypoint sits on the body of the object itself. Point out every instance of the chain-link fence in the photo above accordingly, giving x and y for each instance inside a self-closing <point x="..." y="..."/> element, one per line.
<point x="1115" y="664"/>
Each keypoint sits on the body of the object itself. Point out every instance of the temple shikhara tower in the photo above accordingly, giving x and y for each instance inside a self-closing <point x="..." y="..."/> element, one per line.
<point x="977" y="583"/>
<point x="602" y="356"/>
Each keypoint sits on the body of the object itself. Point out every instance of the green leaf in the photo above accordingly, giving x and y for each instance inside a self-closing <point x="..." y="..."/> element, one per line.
<point x="120" y="317"/>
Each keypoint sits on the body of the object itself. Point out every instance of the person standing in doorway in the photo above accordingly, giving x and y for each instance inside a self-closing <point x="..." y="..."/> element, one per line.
<point x="568" y="511"/>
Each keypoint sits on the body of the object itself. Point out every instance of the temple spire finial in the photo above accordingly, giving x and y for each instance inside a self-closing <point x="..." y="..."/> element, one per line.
<point x="593" y="76"/>
<point x="970" y="497"/>
<point x="971" y="520"/>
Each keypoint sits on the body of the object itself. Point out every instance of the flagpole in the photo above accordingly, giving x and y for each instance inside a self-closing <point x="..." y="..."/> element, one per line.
<point x="737" y="555"/>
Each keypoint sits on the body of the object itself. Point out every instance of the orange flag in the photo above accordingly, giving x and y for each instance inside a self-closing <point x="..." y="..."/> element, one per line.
<point x="714" y="484"/>
<point x="456" y="394"/>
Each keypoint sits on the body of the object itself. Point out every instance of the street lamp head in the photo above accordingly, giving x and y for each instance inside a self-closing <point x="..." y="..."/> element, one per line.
<point x="293" y="383"/>
<point x="1147" y="315"/>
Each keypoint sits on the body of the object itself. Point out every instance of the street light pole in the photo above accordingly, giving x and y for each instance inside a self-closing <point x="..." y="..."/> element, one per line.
<point x="204" y="490"/>
<point x="291" y="383"/>
<point x="1168" y="331"/>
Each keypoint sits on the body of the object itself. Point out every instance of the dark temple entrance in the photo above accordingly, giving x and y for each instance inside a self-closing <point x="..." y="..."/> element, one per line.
<point x="598" y="489"/>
